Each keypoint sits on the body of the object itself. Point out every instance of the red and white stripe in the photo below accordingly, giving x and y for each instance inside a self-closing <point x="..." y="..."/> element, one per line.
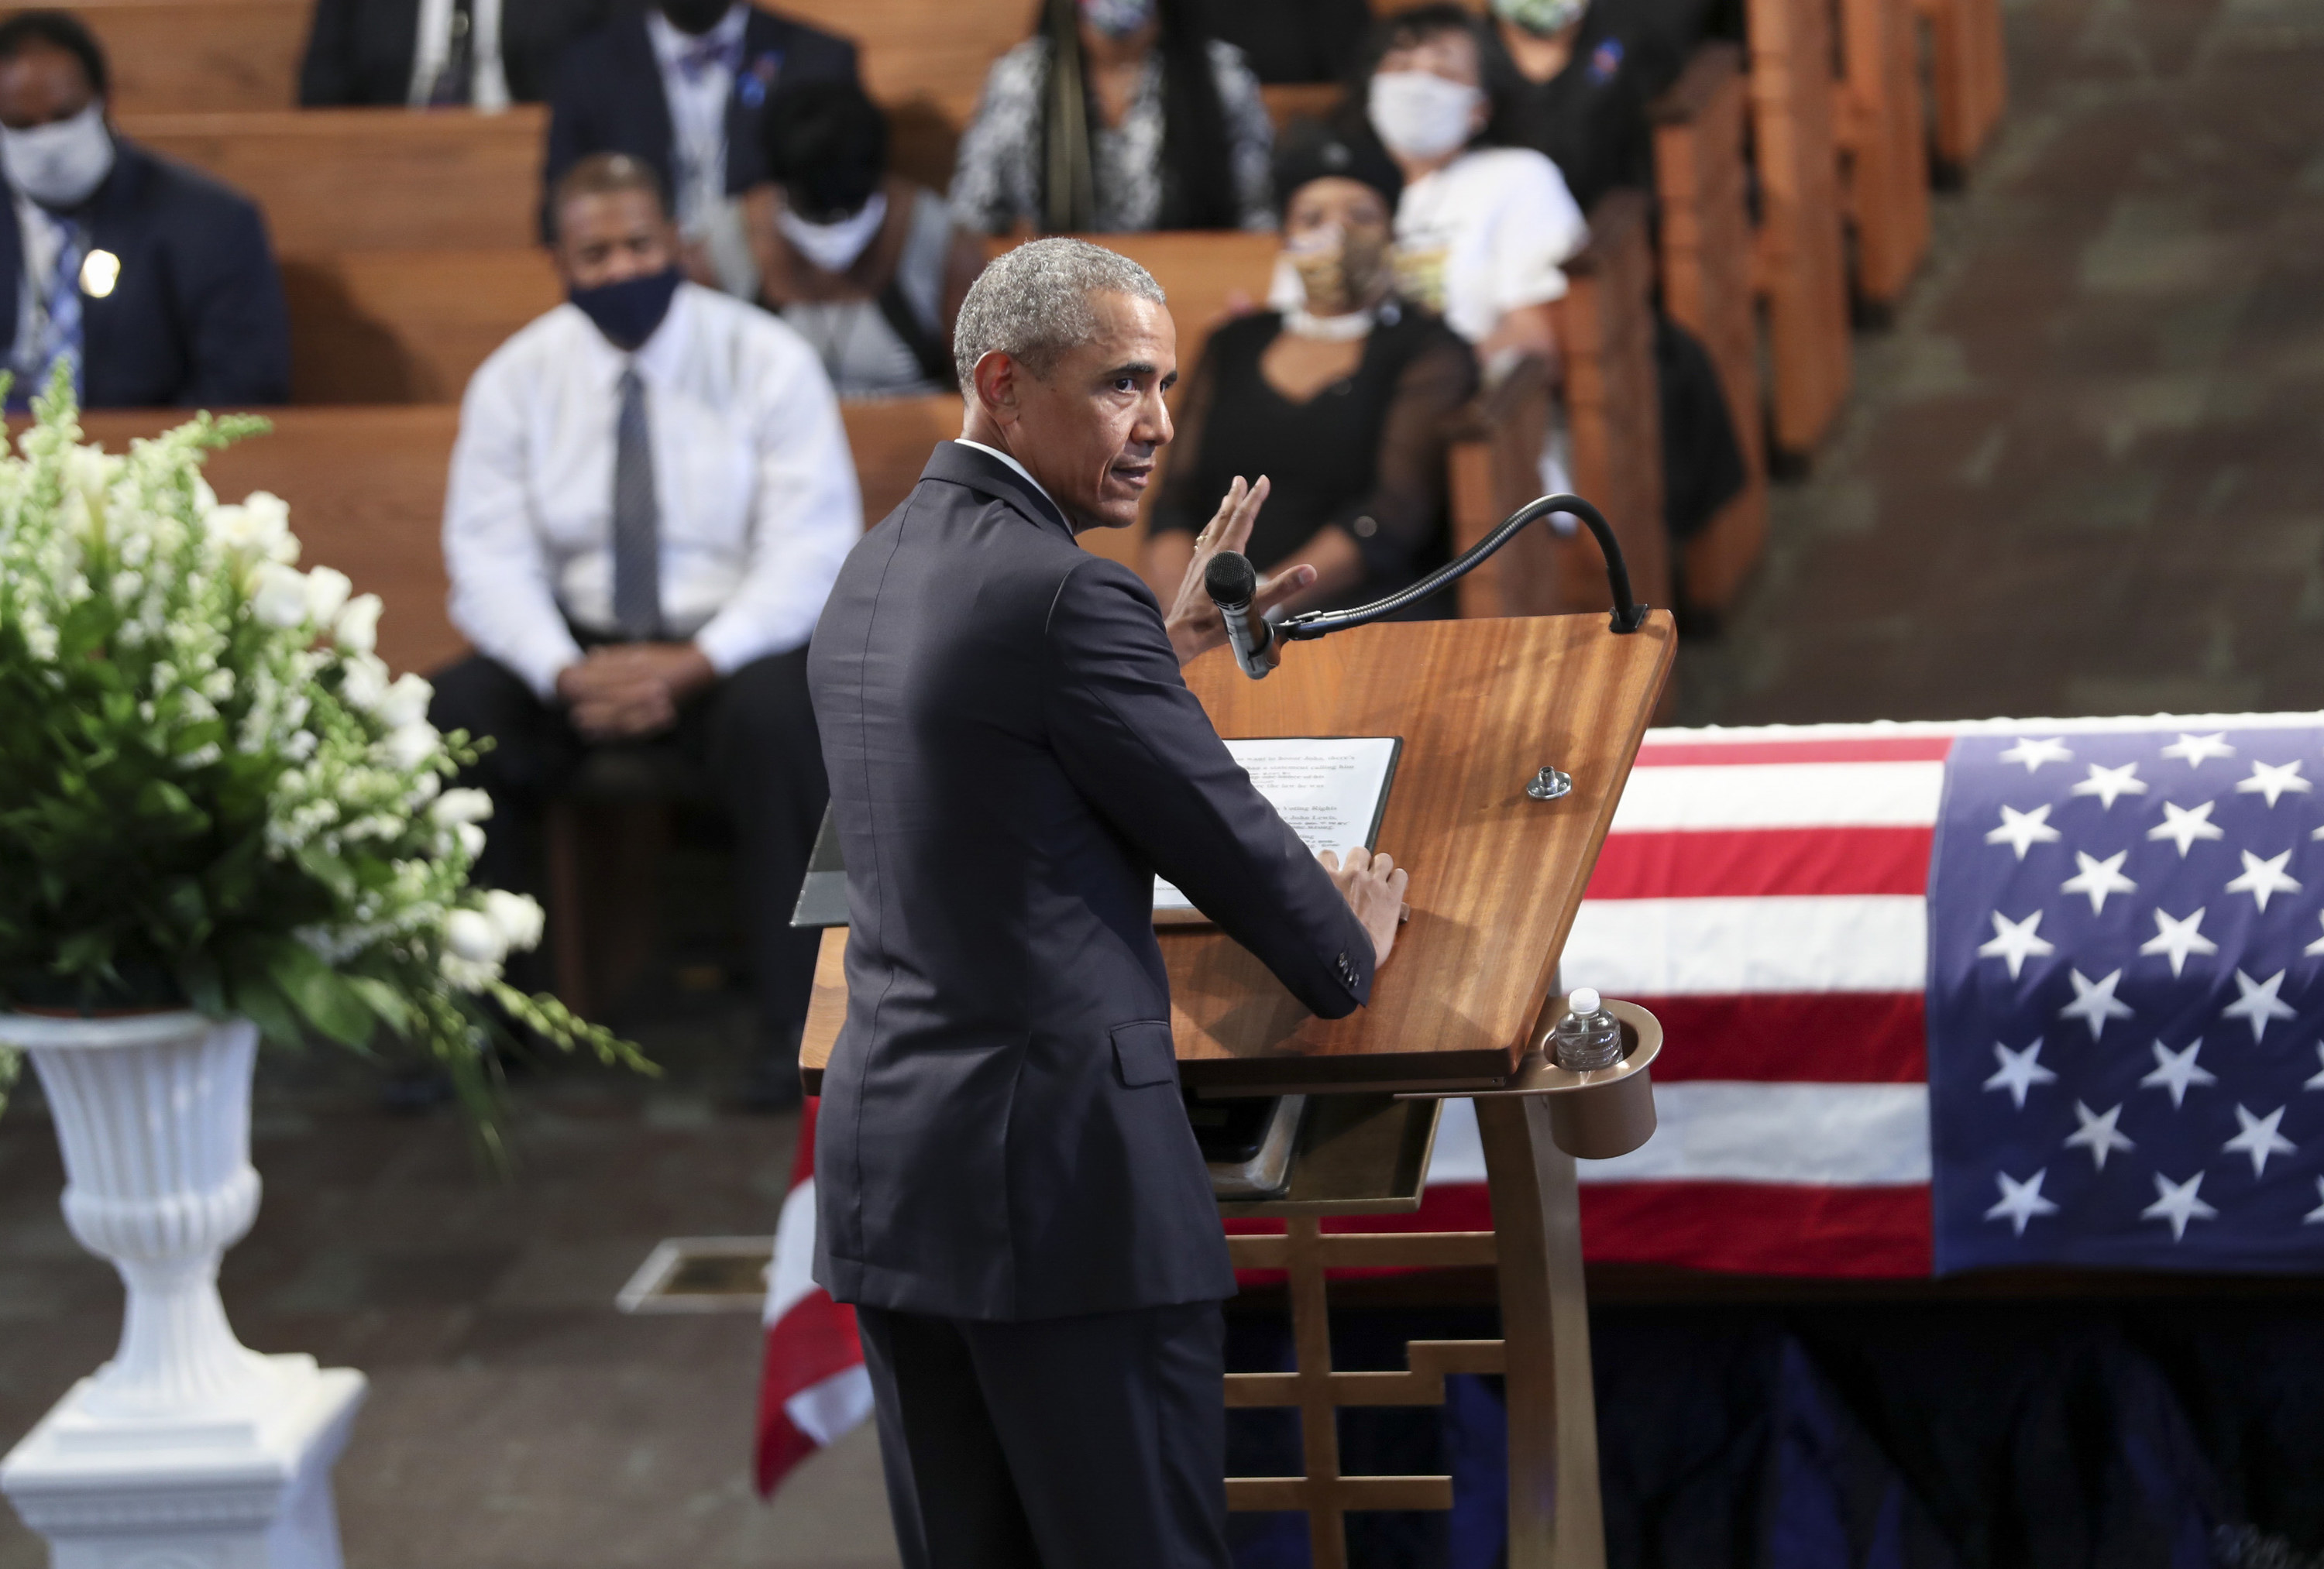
<point x="1764" y="894"/>
<point x="813" y="1387"/>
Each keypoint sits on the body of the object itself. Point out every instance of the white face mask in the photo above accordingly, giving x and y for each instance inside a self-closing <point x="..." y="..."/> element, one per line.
<point x="835" y="246"/>
<point x="1420" y="114"/>
<point x="59" y="164"/>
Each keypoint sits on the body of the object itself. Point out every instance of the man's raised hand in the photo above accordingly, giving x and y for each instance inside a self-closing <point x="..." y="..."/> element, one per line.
<point x="1195" y="624"/>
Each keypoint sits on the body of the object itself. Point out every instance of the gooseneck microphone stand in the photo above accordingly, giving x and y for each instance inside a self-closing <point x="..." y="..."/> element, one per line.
<point x="1231" y="581"/>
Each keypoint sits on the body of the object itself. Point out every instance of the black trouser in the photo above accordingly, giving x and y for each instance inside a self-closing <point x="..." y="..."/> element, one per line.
<point x="752" y="733"/>
<point x="1095" y="1442"/>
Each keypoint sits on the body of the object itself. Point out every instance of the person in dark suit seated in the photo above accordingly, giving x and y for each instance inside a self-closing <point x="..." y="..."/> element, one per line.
<point x="650" y="495"/>
<point x="1006" y="1184"/>
<point x="439" y="53"/>
<point x="1339" y="396"/>
<point x="155" y="283"/>
<point x="678" y="85"/>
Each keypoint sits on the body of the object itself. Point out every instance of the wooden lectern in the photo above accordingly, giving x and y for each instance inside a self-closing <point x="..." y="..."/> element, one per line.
<point x="1462" y="1008"/>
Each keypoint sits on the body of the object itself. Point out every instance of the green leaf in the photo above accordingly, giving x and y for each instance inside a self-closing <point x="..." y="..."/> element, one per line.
<point x="257" y="999"/>
<point x="321" y="993"/>
<point x="384" y="1001"/>
<point x="204" y="983"/>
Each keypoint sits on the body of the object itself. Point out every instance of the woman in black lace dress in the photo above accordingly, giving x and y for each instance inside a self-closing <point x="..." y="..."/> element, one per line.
<point x="1339" y="396"/>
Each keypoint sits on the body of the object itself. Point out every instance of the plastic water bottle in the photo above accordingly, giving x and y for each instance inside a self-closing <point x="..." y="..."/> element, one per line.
<point x="1587" y="1037"/>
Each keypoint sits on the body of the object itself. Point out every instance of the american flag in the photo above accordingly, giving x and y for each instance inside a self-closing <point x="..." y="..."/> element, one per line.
<point x="1783" y="901"/>
<point x="2124" y="1006"/>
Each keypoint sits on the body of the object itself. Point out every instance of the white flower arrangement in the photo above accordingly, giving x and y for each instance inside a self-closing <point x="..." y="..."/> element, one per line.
<point x="212" y="793"/>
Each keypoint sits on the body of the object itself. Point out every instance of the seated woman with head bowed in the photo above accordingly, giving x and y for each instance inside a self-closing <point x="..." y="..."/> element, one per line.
<point x="866" y="266"/>
<point x="1118" y="116"/>
<point x="1334" y="404"/>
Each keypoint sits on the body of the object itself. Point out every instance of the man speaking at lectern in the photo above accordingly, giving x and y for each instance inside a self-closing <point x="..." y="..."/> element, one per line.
<point x="1007" y="1188"/>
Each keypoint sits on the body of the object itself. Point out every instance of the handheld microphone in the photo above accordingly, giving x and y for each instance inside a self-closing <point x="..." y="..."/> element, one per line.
<point x="1230" y="581"/>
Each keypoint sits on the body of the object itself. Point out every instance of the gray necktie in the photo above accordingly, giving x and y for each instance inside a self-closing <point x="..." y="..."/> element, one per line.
<point x="637" y="532"/>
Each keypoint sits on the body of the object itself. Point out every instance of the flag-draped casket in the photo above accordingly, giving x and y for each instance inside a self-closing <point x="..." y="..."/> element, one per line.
<point x="1935" y="996"/>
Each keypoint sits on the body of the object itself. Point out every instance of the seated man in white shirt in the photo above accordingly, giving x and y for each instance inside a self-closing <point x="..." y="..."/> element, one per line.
<point x="651" y="495"/>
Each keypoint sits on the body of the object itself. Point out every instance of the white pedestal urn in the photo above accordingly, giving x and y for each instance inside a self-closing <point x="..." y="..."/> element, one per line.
<point x="187" y="1450"/>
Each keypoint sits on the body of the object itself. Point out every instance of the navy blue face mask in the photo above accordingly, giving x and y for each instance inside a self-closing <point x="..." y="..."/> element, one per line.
<point x="628" y="312"/>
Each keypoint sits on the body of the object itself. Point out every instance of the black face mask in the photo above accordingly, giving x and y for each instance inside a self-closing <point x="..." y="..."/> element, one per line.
<point x="629" y="311"/>
<point x="694" y="17"/>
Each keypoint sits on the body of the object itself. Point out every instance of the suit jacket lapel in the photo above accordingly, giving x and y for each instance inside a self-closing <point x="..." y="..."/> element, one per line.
<point x="660" y="139"/>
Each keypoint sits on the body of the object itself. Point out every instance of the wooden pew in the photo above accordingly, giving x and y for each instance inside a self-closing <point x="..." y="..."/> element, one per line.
<point x="1969" y="76"/>
<point x="407" y="327"/>
<point x="1605" y="332"/>
<point x="1801" y="268"/>
<point x="1882" y="131"/>
<point x="200" y="56"/>
<point x="332" y="181"/>
<point x="1702" y="186"/>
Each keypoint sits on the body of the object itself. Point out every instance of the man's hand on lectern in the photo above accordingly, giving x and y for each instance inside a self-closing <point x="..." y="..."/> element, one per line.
<point x="1195" y="624"/>
<point x="1373" y="886"/>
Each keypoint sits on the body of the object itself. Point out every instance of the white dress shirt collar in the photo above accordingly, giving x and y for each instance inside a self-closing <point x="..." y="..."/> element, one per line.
<point x="1037" y="487"/>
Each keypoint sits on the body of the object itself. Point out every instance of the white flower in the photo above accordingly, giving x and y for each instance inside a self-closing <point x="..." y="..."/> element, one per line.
<point x="327" y="594"/>
<point x="470" y="934"/>
<point x="408" y="746"/>
<point x="274" y="517"/>
<point x="246" y="531"/>
<point x="472" y="841"/>
<point x="458" y="806"/>
<point x="364" y="681"/>
<point x="517" y="916"/>
<point x="278" y="595"/>
<point x="405" y="702"/>
<point x="357" y="632"/>
<point x="88" y="473"/>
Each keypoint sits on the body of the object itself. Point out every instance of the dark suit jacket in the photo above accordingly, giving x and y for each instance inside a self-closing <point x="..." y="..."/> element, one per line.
<point x="197" y="316"/>
<point x="1013" y="757"/>
<point x="360" y="51"/>
<point x="610" y="98"/>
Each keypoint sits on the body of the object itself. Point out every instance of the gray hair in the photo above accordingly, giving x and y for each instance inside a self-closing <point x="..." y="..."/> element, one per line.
<point x="1033" y="303"/>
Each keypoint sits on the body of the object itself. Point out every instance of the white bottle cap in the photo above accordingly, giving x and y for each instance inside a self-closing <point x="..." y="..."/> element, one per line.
<point x="1582" y="1000"/>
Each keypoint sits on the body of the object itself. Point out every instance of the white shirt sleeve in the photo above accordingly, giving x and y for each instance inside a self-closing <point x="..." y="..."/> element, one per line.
<point x="807" y="515"/>
<point x="1536" y="228"/>
<point x="504" y="598"/>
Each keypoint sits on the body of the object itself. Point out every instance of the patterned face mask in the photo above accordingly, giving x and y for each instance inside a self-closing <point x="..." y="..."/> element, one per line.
<point x="1339" y="272"/>
<point x="1542" y="18"/>
<point x="1116" y="18"/>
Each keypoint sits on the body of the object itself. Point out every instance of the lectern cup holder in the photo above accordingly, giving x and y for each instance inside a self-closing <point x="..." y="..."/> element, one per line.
<point x="1600" y="1113"/>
